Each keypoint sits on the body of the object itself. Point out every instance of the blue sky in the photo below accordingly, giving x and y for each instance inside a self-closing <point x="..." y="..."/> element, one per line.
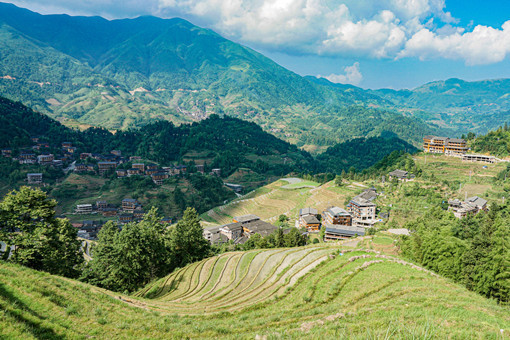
<point x="369" y="43"/>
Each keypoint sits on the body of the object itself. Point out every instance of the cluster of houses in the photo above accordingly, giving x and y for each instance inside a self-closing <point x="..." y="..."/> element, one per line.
<point x="239" y="231"/>
<point x="130" y="210"/>
<point x="454" y="147"/>
<point x="470" y="206"/>
<point x="339" y="223"/>
<point x="102" y="164"/>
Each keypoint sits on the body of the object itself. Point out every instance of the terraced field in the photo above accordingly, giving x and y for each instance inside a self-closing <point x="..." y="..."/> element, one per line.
<point x="277" y="198"/>
<point x="233" y="281"/>
<point x="319" y="292"/>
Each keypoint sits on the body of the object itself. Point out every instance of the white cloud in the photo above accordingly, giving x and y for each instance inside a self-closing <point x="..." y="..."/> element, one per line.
<point x="345" y="28"/>
<point x="483" y="45"/>
<point x="351" y="76"/>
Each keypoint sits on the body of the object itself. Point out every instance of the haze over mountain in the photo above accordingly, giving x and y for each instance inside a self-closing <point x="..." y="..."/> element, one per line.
<point x="125" y="73"/>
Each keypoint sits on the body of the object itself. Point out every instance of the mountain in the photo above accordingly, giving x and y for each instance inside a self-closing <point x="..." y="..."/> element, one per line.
<point x="256" y="294"/>
<point x="125" y="73"/>
<point x="476" y="106"/>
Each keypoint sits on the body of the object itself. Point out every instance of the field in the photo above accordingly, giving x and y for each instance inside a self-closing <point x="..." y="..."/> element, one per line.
<point x="321" y="291"/>
<point x="280" y="197"/>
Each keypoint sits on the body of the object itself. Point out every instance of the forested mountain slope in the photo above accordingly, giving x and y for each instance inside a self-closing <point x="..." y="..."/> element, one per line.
<point x="126" y="73"/>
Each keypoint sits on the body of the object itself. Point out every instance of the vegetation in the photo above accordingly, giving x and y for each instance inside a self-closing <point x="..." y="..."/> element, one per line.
<point x="128" y="259"/>
<point x="38" y="239"/>
<point x="495" y="142"/>
<point x="360" y="153"/>
<point x="149" y="69"/>
<point x="474" y="251"/>
<point x="477" y="106"/>
<point x="331" y="300"/>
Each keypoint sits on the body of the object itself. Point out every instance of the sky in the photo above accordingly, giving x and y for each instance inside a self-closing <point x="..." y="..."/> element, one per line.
<point x="368" y="43"/>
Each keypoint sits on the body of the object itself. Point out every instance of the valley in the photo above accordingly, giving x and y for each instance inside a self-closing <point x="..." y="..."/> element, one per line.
<point x="159" y="180"/>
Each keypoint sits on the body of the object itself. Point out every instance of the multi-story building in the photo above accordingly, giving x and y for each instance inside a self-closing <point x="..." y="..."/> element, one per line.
<point x="34" y="178"/>
<point x="106" y="166"/>
<point x="336" y="215"/>
<point x="83" y="209"/>
<point x="45" y="159"/>
<point x="129" y="204"/>
<point x="445" y="145"/>
<point x="472" y="205"/>
<point x="139" y="166"/>
<point x="362" y="211"/>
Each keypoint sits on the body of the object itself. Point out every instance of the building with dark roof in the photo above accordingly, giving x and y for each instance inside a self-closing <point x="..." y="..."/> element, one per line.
<point x="472" y="205"/>
<point x="335" y="232"/>
<point x="336" y="215"/>
<point x="401" y="175"/>
<point x="246" y="218"/>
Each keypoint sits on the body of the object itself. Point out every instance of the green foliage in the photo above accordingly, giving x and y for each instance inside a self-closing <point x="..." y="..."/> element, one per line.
<point x="89" y="76"/>
<point x="126" y="260"/>
<point x="186" y="241"/>
<point x="42" y="242"/>
<point x="495" y="142"/>
<point x="474" y="251"/>
<point x="360" y="153"/>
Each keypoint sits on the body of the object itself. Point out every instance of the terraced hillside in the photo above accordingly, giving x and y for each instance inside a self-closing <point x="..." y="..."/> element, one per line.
<point x="311" y="292"/>
<point x="282" y="197"/>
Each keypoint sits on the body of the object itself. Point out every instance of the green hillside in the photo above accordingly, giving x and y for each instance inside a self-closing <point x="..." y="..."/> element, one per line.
<point x="478" y="106"/>
<point x="293" y="293"/>
<point x="125" y="73"/>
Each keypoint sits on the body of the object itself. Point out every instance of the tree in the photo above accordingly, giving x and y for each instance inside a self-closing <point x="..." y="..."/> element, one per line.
<point x="42" y="242"/>
<point x="127" y="260"/>
<point x="295" y="238"/>
<point x="186" y="241"/>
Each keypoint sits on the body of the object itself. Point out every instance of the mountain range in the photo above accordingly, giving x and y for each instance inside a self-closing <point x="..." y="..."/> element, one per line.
<point x="126" y="73"/>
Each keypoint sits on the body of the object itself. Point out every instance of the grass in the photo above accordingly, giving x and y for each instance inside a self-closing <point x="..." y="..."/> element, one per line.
<point x="294" y="293"/>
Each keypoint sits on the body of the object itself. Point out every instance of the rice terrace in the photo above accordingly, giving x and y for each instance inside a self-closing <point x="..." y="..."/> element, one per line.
<point x="320" y="291"/>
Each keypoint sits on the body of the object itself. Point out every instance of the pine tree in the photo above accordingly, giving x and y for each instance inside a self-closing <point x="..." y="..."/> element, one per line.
<point x="186" y="241"/>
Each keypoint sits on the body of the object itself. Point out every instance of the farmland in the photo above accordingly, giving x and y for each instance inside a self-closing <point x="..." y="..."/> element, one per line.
<point x="317" y="291"/>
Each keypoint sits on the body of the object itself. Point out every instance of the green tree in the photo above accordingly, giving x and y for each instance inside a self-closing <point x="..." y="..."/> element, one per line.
<point x="42" y="242"/>
<point x="127" y="260"/>
<point x="186" y="241"/>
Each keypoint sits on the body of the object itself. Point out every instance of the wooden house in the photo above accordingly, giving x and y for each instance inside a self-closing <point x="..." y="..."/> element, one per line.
<point x="34" y="178"/>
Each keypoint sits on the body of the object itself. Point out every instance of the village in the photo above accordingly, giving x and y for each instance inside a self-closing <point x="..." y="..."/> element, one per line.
<point x="336" y="223"/>
<point x="361" y="213"/>
<point x="68" y="158"/>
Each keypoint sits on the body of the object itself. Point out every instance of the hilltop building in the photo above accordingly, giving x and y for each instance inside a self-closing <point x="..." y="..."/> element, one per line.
<point x="240" y="230"/>
<point x="401" y="175"/>
<point x="308" y="219"/>
<point x="480" y="158"/>
<point x="336" y="232"/>
<point x="336" y="215"/>
<point x="445" y="145"/>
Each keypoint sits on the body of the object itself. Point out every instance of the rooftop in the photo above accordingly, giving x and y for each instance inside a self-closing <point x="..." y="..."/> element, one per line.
<point x="308" y="211"/>
<point x="337" y="211"/>
<point x="310" y="219"/>
<point x="246" y="218"/>
<point x="344" y="229"/>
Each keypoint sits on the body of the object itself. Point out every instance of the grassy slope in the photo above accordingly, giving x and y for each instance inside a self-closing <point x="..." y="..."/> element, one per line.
<point x="344" y="297"/>
<point x="270" y="201"/>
